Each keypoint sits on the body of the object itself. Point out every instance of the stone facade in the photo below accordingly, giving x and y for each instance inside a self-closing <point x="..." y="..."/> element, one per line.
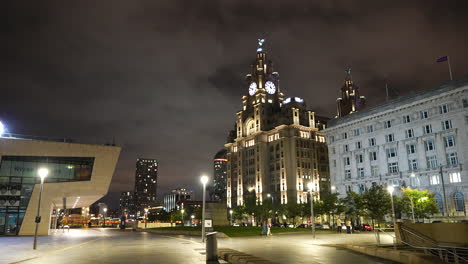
<point x="277" y="147"/>
<point x="410" y="141"/>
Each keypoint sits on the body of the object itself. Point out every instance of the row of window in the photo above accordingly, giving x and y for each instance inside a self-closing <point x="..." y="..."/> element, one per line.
<point x="424" y="114"/>
<point x="431" y="162"/>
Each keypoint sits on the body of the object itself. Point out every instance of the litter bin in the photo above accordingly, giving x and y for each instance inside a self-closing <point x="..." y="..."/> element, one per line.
<point x="211" y="248"/>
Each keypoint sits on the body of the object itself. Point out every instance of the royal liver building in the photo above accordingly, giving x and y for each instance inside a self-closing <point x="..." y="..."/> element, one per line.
<point x="277" y="147"/>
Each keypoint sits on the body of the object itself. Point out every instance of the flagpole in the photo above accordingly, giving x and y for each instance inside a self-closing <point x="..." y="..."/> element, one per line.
<point x="450" y="68"/>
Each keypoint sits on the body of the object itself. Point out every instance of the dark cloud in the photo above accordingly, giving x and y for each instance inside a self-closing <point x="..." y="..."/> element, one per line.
<point x="165" y="77"/>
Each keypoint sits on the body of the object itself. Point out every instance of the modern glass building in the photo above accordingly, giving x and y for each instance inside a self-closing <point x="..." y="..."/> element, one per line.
<point x="79" y="175"/>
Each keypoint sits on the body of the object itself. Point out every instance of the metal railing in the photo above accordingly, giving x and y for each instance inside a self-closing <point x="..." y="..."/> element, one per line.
<point x="444" y="253"/>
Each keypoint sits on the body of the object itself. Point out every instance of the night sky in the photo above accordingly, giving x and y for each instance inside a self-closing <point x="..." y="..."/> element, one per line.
<point x="165" y="78"/>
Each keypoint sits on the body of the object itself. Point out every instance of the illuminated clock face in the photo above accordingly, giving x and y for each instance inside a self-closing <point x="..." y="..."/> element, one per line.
<point x="252" y="88"/>
<point x="270" y="87"/>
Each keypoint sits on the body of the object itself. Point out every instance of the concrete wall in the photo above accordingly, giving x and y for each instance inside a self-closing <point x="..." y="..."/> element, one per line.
<point x="444" y="233"/>
<point x="218" y="213"/>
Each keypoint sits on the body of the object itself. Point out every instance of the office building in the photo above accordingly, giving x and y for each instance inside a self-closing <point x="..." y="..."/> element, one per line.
<point x="78" y="175"/>
<point x="218" y="189"/>
<point x="418" y="140"/>
<point x="146" y="182"/>
<point x="127" y="203"/>
<point x="277" y="147"/>
<point x="171" y="200"/>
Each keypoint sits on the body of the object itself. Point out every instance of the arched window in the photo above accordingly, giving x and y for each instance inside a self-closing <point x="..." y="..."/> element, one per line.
<point x="459" y="201"/>
<point x="440" y="203"/>
<point x="250" y="127"/>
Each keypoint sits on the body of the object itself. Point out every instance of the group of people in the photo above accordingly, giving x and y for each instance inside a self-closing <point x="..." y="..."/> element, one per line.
<point x="346" y="225"/>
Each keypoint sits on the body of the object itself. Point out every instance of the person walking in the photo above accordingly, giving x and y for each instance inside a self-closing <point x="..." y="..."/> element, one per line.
<point x="338" y="225"/>
<point x="348" y="226"/>
<point x="264" y="228"/>
<point x="269" y="229"/>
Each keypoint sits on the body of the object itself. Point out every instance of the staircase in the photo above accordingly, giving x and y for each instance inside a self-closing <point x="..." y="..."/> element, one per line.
<point x="420" y="242"/>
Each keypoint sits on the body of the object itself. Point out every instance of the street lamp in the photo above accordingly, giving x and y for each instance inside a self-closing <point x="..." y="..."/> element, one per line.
<point x="333" y="188"/>
<point x="390" y="189"/>
<point x="230" y="212"/>
<point x="204" y="181"/>
<point x="182" y="211"/>
<point x="42" y="172"/>
<point x="146" y="217"/>
<point x="105" y="214"/>
<point x="312" y="218"/>
<point x="192" y="216"/>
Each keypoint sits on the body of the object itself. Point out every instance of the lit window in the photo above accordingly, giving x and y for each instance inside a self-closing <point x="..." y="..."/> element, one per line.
<point x="434" y="179"/>
<point x="455" y="177"/>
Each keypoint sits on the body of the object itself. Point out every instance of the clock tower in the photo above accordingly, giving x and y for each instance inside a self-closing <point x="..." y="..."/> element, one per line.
<point x="277" y="147"/>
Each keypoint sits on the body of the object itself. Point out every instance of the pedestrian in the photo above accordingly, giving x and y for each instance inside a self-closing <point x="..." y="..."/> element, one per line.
<point x="338" y="225"/>
<point x="264" y="228"/>
<point x="268" y="229"/>
<point x="348" y="226"/>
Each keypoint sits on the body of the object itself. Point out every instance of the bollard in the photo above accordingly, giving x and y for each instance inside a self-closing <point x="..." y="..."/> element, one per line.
<point x="211" y="248"/>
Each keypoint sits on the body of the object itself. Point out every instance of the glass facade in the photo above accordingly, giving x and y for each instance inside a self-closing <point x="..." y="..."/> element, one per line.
<point x="18" y="174"/>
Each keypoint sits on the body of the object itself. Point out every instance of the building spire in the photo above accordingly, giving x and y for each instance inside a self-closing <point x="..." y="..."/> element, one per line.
<point x="348" y="74"/>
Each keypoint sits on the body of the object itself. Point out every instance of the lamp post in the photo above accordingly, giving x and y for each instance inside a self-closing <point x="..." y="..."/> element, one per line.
<point x="146" y="217"/>
<point x="390" y="189"/>
<point x="42" y="172"/>
<point x="182" y="211"/>
<point x="204" y="180"/>
<point x="230" y="212"/>
<point x="312" y="218"/>
<point x="105" y="214"/>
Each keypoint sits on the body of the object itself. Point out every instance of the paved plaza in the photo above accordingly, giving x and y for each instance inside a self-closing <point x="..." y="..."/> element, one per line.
<point x="116" y="246"/>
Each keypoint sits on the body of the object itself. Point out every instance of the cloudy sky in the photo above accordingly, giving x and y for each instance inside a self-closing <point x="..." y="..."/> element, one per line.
<point x="165" y="77"/>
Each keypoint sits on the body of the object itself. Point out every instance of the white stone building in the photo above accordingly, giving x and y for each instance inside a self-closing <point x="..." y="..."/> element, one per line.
<point x="410" y="141"/>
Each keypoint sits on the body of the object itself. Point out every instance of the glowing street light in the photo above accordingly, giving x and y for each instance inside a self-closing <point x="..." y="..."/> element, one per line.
<point x="230" y="212"/>
<point x="312" y="218"/>
<point x="42" y="172"/>
<point x="390" y="189"/>
<point x="204" y="181"/>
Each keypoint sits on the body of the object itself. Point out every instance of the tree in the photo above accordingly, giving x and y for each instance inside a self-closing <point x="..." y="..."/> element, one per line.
<point x="353" y="205"/>
<point x="423" y="201"/>
<point x="377" y="204"/>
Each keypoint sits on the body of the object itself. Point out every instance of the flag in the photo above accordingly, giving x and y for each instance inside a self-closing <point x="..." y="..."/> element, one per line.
<point x="442" y="59"/>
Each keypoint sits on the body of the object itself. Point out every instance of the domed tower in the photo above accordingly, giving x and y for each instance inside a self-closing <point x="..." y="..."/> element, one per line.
<point x="350" y="100"/>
